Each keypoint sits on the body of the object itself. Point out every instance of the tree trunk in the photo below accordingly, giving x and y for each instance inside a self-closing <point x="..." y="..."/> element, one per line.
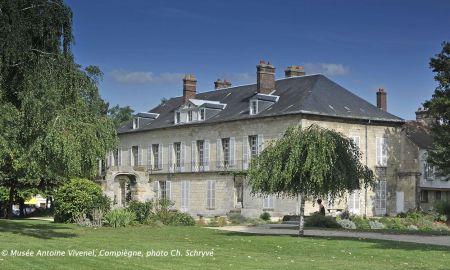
<point x="10" y="203"/>
<point x="301" y="223"/>
<point x="21" y="202"/>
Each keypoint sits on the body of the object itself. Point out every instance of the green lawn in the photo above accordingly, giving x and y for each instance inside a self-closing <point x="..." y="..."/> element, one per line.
<point x="231" y="250"/>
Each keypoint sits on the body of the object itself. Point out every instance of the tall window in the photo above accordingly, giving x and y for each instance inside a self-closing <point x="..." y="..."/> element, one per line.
<point x="253" y="144"/>
<point x="189" y="116"/>
<point x="135" y="153"/>
<point x="135" y="122"/>
<point x="437" y="195"/>
<point x="381" y="151"/>
<point x="268" y="202"/>
<point x="201" y="153"/>
<point x="115" y="161"/>
<point x="211" y="195"/>
<point x="380" y="198"/>
<point x="226" y="151"/>
<point x="177" y="117"/>
<point x="184" y="195"/>
<point x="202" y="114"/>
<point x="177" y="148"/>
<point x="253" y="107"/>
<point x="428" y="171"/>
<point x="155" y="153"/>
<point x="353" y="202"/>
<point x="424" y="196"/>
<point x="164" y="189"/>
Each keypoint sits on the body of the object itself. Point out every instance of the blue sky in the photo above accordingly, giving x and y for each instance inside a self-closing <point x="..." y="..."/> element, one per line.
<point x="145" y="47"/>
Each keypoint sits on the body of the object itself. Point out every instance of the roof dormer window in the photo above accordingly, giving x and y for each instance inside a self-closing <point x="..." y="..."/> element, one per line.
<point x="202" y="114"/>
<point x="189" y="119"/>
<point x="177" y="117"/>
<point x="135" y="122"/>
<point x="253" y="107"/>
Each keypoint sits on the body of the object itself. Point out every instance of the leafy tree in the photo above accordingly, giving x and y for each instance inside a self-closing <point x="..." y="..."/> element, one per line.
<point x="439" y="107"/>
<point x="119" y="115"/>
<point x="313" y="162"/>
<point x="53" y="119"/>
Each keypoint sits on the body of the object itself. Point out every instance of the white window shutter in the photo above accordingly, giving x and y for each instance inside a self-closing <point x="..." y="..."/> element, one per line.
<point x="260" y="143"/>
<point x="149" y="157"/>
<point x="384" y="150"/>
<point x="245" y="152"/>
<point x="218" y="153"/>
<point x="156" y="189"/>
<point x="183" y="155"/>
<point x="130" y="156"/>
<point x="170" y="157"/>
<point x="119" y="163"/>
<point x="206" y="155"/>
<point x="378" y="152"/>
<point x="160" y="156"/>
<point x="139" y="156"/>
<point x="232" y="151"/>
<point x="194" y="156"/>
<point x="169" y="190"/>
<point x="109" y="160"/>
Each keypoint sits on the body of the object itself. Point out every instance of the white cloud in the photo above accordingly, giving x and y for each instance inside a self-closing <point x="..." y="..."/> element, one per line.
<point x="144" y="77"/>
<point x="327" y="69"/>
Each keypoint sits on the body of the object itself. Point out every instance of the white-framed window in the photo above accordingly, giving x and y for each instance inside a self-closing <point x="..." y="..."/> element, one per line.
<point x="253" y="145"/>
<point x="156" y="156"/>
<point x="380" y="198"/>
<point x="353" y="202"/>
<point x="177" y="117"/>
<point x="115" y="161"/>
<point x="253" y="107"/>
<point x="184" y="195"/>
<point x="165" y="190"/>
<point x="381" y="151"/>
<point x="424" y="196"/>
<point x="268" y="202"/>
<point x="226" y="151"/>
<point x="135" y="156"/>
<point x="135" y="122"/>
<point x="202" y="114"/>
<point x="189" y="114"/>
<point x="428" y="171"/>
<point x="211" y="195"/>
<point x="201" y="153"/>
<point x="177" y="150"/>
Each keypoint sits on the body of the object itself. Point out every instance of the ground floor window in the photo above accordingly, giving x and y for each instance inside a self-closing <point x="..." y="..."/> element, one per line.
<point x="424" y="196"/>
<point x="184" y="196"/>
<point x="380" y="198"/>
<point x="164" y="190"/>
<point x="437" y="195"/>
<point x="268" y="202"/>
<point x="211" y="195"/>
<point x="353" y="202"/>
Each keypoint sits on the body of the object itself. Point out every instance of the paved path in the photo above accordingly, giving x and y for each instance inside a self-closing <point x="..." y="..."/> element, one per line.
<point x="283" y="230"/>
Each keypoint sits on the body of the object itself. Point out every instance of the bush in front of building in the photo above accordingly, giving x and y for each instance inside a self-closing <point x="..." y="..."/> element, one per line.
<point x="265" y="216"/>
<point x="360" y="222"/>
<point x="347" y="224"/>
<point x="182" y="219"/>
<point x="119" y="218"/>
<point x="318" y="220"/>
<point x="79" y="197"/>
<point x="443" y="209"/>
<point x="237" y="218"/>
<point x="142" y="209"/>
<point x="376" y="225"/>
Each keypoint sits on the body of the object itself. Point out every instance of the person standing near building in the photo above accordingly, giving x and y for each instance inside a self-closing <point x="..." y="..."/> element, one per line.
<point x="321" y="207"/>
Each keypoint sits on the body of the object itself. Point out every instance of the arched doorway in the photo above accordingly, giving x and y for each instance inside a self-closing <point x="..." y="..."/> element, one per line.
<point x="125" y="189"/>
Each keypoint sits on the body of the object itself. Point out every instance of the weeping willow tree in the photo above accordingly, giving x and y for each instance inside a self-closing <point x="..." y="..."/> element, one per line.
<point x="53" y="121"/>
<point x="312" y="162"/>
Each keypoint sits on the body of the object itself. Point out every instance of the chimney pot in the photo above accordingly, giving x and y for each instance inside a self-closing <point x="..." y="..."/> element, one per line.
<point x="189" y="87"/>
<point x="265" y="77"/>
<point x="423" y="116"/>
<point x="219" y="84"/>
<point x="294" y="71"/>
<point x="382" y="99"/>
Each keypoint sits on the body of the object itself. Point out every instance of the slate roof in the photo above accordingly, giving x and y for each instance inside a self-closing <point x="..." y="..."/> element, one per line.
<point x="310" y="94"/>
<point x="419" y="133"/>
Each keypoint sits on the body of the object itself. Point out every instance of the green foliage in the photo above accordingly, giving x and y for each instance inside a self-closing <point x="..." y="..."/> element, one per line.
<point x="314" y="161"/>
<point x="376" y="225"/>
<point x="265" y="216"/>
<point x="119" y="115"/>
<point x="360" y="222"/>
<point x="78" y="197"/>
<point x="119" y="218"/>
<point x="442" y="208"/>
<point x="438" y="107"/>
<point x="142" y="209"/>
<point x="347" y="224"/>
<point x="318" y="220"/>
<point x="396" y="223"/>
<point x="182" y="219"/>
<point x="236" y="218"/>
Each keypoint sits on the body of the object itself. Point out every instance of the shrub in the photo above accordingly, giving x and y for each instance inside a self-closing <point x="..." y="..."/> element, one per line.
<point x="162" y="211"/>
<point x="414" y="214"/>
<point x="442" y="208"/>
<point x="265" y="216"/>
<point x="401" y="215"/>
<point x="318" y="220"/>
<point x="442" y="227"/>
<point x="237" y="218"/>
<point x="361" y="223"/>
<point x="376" y="225"/>
<point x="394" y="223"/>
<point x="222" y="221"/>
<point x="77" y="198"/>
<point x="345" y="215"/>
<point x="119" y="218"/>
<point x="182" y="219"/>
<point x="142" y="209"/>
<point x="347" y="224"/>
<point x="424" y="224"/>
<point x="412" y="227"/>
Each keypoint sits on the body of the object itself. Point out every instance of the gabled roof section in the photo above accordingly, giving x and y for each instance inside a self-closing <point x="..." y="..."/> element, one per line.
<point x="311" y="94"/>
<point x="207" y="103"/>
<point x="265" y="97"/>
<point x="419" y="133"/>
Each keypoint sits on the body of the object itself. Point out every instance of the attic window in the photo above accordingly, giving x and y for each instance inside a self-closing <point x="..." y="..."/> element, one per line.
<point x="177" y="117"/>
<point x="202" y="114"/>
<point x="135" y="122"/>
<point x="189" y="116"/>
<point x="253" y="107"/>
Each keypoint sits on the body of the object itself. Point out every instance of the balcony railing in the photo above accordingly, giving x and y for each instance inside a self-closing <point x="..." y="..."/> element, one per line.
<point x="223" y="166"/>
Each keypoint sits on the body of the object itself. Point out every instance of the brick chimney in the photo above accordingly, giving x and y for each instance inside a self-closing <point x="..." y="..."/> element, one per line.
<point x="219" y="84"/>
<point x="382" y="99"/>
<point x="423" y="116"/>
<point x="265" y="77"/>
<point x="294" y="71"/>
<point x="189" y="87"/>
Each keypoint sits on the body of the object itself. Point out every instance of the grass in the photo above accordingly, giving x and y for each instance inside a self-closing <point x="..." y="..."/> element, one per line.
<point x="231" y="250"/>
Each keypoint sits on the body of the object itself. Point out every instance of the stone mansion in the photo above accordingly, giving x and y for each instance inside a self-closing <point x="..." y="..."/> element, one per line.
<point x="188" y="148"/>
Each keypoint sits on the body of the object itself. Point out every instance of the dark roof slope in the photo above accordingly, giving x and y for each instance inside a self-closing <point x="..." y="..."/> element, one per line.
<point x="419" y="133"/>
<point x="312" y="94"/>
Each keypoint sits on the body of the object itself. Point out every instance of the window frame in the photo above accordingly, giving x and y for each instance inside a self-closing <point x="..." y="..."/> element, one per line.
<point x="253" y="147"/>
<point x="253" y="107"/>
<point x="226" y="151"/>
<point x="177" y="151"/>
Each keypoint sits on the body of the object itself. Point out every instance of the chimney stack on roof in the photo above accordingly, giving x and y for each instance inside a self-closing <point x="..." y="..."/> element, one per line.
<point x="382" y="99"/>
<point x="219" y="84"/>
<point x="265" y="77"/>
<point x="189" y="87"/>
<point x="423" y="116"/>
<point x="294" y="71"/>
